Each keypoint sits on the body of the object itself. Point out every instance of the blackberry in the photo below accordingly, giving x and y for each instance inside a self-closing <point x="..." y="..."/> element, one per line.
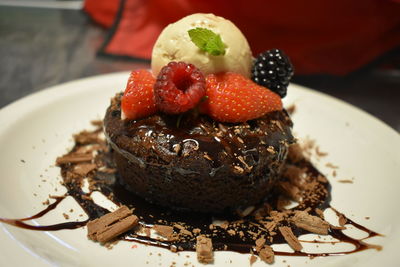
<point x="273" y="70"/>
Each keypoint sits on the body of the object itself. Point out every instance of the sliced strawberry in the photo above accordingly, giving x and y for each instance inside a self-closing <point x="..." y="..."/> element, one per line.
<point x="232" y="97"/>
<point x="138" y="99"/>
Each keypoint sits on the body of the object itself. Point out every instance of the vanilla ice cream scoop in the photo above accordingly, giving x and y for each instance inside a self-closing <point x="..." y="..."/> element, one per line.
<point x="174" y="44"/>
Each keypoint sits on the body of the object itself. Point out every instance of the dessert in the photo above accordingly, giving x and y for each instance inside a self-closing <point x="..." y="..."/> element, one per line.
<point x="179" y="141"/>
<point x="209" y="143"/>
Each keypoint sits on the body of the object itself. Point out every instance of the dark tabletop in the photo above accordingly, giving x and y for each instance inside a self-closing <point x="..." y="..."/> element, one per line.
<point x="42" y="47"/>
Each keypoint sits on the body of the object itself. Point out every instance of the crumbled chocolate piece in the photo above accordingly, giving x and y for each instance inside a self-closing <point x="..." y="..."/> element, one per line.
<point x="330" y="165"/>
<point x="252" y="259"/>
<point x="320" y="213"/>
<point x="238" y="169"/>
<point x="86" y="137"/>
<point x="345" y="181"/>
<point x="74" y="158"/>
<point x="260" y="243"/>
<point x="320" y="153"/>
<point x="165" y="231"/>
<point x="342" y="220"/>
<point x="310" y="223"/>
<point x="183" y="230"/>
<point x="112" y="225"/>
<point x="267" y="254"/>
<point x="231" y="232"/>
<point x="204" y="249"/>
<point x="84" y="168"/>
<point x="271" y="149"/>
<point x="290" y="238"/>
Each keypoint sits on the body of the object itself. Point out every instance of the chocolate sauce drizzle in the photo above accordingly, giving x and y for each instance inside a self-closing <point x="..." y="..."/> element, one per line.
<point x="243" y="241"/>
<point x="60" y="226"/>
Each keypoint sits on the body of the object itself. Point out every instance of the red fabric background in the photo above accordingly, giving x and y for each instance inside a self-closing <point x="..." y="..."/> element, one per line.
<point x="334" y="37"/>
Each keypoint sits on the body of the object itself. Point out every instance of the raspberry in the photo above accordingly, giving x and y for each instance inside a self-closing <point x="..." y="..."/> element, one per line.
<point x="179" y="87"/>
<point x="273" y="70"/>
<point x="232" y="97"/>
<point x="138" y="99"/>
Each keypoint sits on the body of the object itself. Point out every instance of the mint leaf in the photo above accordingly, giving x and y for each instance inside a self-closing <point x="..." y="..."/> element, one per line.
<point x="207" y="41"/>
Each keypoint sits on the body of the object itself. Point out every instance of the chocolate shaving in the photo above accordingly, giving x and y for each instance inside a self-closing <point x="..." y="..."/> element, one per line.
<point x="74" y="158"/>
<point x="320" y="213"/>
<point x="111" y="225"/>
<point x="84" y="168"/>
<point x="310" y="223"/>
<point x="183" y="230"/>
<point x="345" y="181"/>
<point x="260" y="243"/>
<point x="204" y="249"/>
<point x="165" y="231"/>
<point x="342" y="220"/>
<point x="267" y="254"/>
<point x="86" y="137"/>
<point x="290" y="238"/>
<point x="252" y="259"/>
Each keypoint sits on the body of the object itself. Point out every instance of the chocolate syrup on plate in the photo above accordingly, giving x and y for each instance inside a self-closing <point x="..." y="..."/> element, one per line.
<point x="239" y="233"/>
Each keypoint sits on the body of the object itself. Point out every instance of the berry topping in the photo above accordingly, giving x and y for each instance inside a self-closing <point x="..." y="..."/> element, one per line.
<point x="179" y="87"/>
<point x="273" y="70"/>
<point x="138" y="99"/>
<point x="232" y="97"/>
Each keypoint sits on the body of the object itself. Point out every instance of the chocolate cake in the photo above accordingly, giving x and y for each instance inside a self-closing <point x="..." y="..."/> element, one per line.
<point x="193" y="162"/>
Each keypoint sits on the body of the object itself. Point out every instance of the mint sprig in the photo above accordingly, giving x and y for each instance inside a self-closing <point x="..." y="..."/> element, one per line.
<point x="208" y="41"/>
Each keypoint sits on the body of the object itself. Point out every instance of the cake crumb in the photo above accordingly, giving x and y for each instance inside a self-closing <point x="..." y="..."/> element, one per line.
<point x="290" y="238"/>
<point x="204" y="249"/>
<point x="66" y="216"/>
<point x="112" y="225"/>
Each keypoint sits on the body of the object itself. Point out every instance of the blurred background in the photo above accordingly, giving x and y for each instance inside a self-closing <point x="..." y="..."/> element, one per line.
<point x="347" y="49"/>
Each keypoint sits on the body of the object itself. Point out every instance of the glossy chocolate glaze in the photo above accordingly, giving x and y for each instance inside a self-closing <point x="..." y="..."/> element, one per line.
<point x="201" y="164"/>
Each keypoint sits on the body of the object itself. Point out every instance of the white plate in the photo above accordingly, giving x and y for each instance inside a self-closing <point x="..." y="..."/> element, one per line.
<point x="38" y="128"/>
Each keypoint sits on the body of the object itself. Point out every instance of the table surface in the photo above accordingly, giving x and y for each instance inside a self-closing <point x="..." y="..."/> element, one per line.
<point x="42" y="47"/>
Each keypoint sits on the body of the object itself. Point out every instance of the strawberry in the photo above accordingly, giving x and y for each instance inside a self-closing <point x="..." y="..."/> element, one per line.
<point x="232" y="97"/>
<point x="138" y="99"/>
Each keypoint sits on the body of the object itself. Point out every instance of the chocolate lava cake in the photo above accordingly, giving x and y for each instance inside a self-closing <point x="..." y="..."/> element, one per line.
<point x="197" y="163"/>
